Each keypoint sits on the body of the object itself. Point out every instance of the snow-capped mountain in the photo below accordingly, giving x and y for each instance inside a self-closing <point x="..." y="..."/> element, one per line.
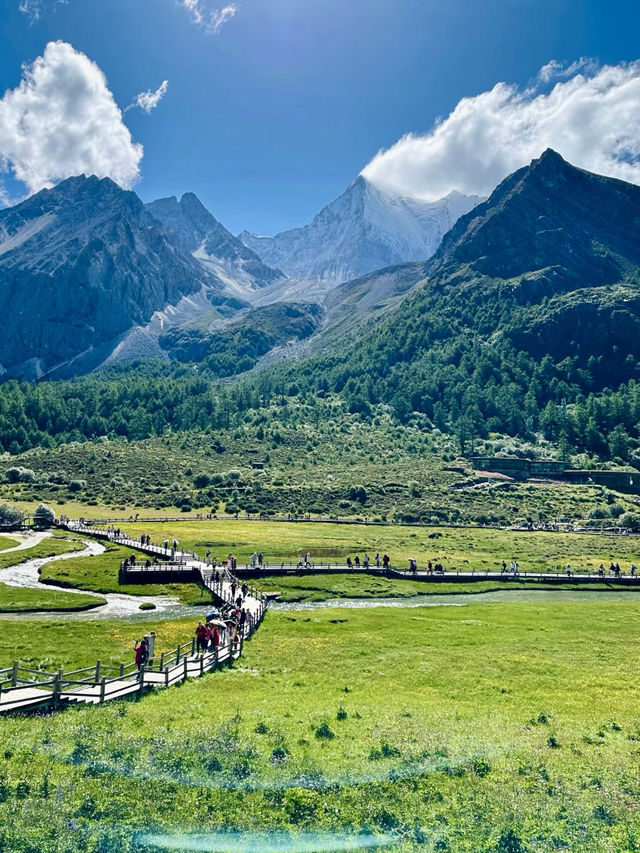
<point x="217" y="249"/>
<point x="363" y="230"/>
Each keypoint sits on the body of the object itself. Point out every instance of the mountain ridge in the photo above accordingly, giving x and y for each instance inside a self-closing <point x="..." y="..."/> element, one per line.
<point x="364" y="229"/>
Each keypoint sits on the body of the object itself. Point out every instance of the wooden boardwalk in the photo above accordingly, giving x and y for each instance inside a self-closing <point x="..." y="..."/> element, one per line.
<point x="27" y="690"/>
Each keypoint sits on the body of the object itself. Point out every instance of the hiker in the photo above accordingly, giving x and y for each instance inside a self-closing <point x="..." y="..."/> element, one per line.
<point x="147" y="564"/>
<point x="214" y="637"/>
<point x="377" y="561"/>
<point x="201" y="636"/>
<point x="634" y="569"/>
<point x="245" y="589"/>
<point x="385" y="561"/>
<point x="239" y="602"/>
<point x="260" y="558"/>
<point x="349" y="563"/>
<point x="429" y="568"/>
<point x="365" y="561"/>
<point x="503" y="571"/>
<point x="208" y="555"/>
<point x="233" y="589"/>
<point x="413" y="565"/>
<point x="243" y="620"/>
<point x="254" y="560"/>
<point x="142" y="653"/>
<point x="166" y="545"/>
<point x="601" y="570"/>
<point x="142" y="539"/>
<point x="357" y="561"/>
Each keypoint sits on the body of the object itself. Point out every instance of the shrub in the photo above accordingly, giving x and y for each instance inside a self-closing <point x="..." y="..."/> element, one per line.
<point x="76" y="485"/>
<point x="9" y="515"/>
<point x="629" y="520"/>
<point x="324" y="731"/>
<point x="44" y="516"/>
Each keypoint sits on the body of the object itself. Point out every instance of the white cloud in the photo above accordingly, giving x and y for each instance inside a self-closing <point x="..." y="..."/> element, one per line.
<point x="211" y="20"/>
<point x="149" y="100"/>
<point x="36" y="8"/>
<point x="62" y="120"/>
<point x="592" y="119"/>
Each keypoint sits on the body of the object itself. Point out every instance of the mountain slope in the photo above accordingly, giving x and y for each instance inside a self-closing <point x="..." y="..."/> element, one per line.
<point x="533" y="298"/>
<point x="80" y="265"/>
<point x="211" y="244"/>
<point x="363" y="230"/>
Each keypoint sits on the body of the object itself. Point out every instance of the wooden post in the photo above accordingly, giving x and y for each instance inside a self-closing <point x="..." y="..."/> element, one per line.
<point x="202" y="664"/>
<point x="14" y="674"/>
<point x="141" y="678"/>
<point x="97" y="672"/>
<point x="166" y="677"/>
<point x="57" y="683"/>
<point x="186" y="674"/>
<point x="103" y="685"/>
<point x="162" y="661"/>
<point x="121" y="670"/>
<point x="178" y="655"/>
<point x="193" y="646"/>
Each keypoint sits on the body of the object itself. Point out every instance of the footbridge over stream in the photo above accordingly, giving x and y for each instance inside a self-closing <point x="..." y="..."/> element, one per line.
<point x="23" y="689"/>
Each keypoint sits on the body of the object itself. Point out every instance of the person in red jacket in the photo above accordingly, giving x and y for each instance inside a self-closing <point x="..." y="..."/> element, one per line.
<point x="142" y="653"/>
<point x="201" y="636"/>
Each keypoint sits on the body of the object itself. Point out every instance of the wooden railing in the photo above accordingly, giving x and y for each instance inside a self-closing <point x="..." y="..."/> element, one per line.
<point x="103" y="682"/>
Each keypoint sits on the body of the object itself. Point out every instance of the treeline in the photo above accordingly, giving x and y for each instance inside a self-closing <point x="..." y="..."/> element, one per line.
<point x="136" y="403"/>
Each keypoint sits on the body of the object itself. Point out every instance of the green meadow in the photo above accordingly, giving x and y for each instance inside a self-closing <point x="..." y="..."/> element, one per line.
<point x="493" y="727"/>
<point x="464" y="548"/>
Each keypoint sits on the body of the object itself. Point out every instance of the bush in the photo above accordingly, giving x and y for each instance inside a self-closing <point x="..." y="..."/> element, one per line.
<point x="76" y="485"/>
<point x="201" y="481"/>
<point x="44" y="516"/>
<point x="9" y="515"/>
<point x="324" y="731"/>
<point x="20" y="475"/>
<point x="185" y="508"/>
<point x="630" y="520"/>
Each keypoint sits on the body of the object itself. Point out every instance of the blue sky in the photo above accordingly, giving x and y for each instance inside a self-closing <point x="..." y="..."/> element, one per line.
<point x="273" y="116"/>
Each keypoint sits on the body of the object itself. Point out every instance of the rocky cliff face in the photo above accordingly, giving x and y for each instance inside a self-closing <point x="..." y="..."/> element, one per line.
<point x="81" y="264"/>
<point x="211" y="244"/>
<point x="363" y="230"/>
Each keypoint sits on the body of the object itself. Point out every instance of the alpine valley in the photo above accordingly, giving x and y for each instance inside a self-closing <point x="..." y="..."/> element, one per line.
<point x="518" y="314"/>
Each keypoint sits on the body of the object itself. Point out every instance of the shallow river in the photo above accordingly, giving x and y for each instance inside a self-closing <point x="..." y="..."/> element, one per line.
<point x="460" y="600"/>
<point x="27" y="575"/>
<point x="167" y="607"/>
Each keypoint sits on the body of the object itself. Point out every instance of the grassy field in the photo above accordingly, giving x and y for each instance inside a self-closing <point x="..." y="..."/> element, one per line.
<point x="462" y="548"/>
<point x="52" y="546"/>
<point x="99" y="573"/>
<point x="15" y="599"/>
<point x="485" y="728"/>
<point x="7" y="542"/>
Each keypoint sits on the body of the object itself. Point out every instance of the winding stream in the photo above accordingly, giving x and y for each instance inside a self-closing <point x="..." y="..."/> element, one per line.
<point x="26" y="575"/>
